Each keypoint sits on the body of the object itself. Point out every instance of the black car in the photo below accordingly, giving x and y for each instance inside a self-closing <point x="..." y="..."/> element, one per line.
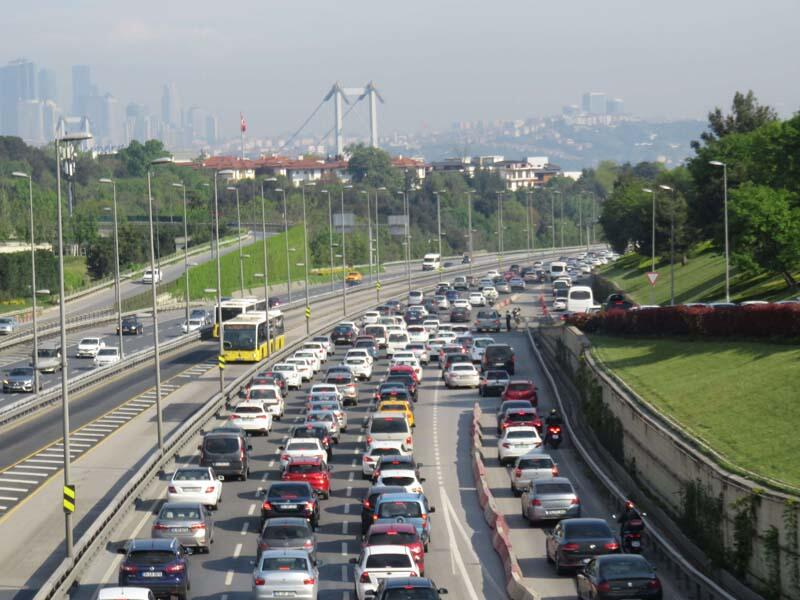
<point x="290" y="499"/>
<point x="274" y="302"/>
<point x="314" y="431"/>
<point x="416" y="588"/>
<point x="618" y="576"/>
<point x="371" y="499"/>
<point x="618" y="302"/>
<point x="465" y="260"/>
<point x="413" y="317"/>
<point x="131" y="326"/>
<point x="407" y="380"/>
<point x="160" y="565"/>
<point x="343" y="334"/>
<point x="572" y="541"/>
<point x="514" y="269"/>
<point x="227" y="452"/>
<point x="459" y="315"/>
<point x="498" y="356"/>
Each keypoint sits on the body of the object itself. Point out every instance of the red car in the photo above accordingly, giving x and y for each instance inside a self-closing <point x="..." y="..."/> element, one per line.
<point x="404" y="369"/>
<point x="526" y="417"/>
<point x="521" y="389"/>
<point x="400" y="534"/>
<point x="314" y="471"/>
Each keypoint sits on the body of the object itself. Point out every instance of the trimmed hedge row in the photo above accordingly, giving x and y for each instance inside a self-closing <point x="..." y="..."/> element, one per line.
<point x="756" y="320"/>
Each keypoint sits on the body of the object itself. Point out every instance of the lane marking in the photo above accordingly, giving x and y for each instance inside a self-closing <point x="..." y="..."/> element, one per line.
<point x="229" y="577"/>
<point x="237" y="551"/>
<point x="344" y="526"/>
<point x="245" y="527"/>
<point x="344" y="548"/>
<point x="251" y="510"/>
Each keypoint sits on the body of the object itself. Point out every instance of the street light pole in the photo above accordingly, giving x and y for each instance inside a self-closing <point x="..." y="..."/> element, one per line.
<point x="469" y="229"/>
<point x="185" y="250"/>
<point x="231" y="188"/>
<point x="69" y="138"/>
<point x="439" y="227"/>
<point x="553" y="216"/>
<point x="220" y="325"/>
<point x="286" y="235"/>
<point x="378" y="245"/>
<point x="724" y="166"/>
<point x="671" y="245"/>
<point x="344" y="257"/>
<point x="305" y="258"/>
<point x="116" y="264"/>
<point x="528" y="219"/>
<point x="561" y="197"/>
<point x="369" y="233"/>
<point x="653" y="241"/>
<point x="405" y="236"/>
<point x="330" y="237"/>
<point x="266" y="266"/>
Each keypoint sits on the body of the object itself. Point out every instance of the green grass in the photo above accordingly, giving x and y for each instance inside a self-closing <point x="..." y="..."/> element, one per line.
<point x="76" y="275"/>
<point x="738" y="397"/>
<point x="702" y="279"/>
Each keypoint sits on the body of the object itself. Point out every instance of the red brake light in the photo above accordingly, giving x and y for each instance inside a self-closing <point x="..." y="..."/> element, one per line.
<point x="575" y="501"/>
<point x="654" y="584"/>
<point x="259" y="581"/>
<point x="175" y="568"/>
<point x="612" y="546"/>
<point x="536" y="502"/>
<point x="197" y="526"/>
<point x="554" y="471"/>
<point x="364" y="577"/>
<point x="309" y="581"/>
<point x="172" y="490"/>
<point x="266" y="506"/>
<point x="128" y="568"/>
<point x="517" y="472"/>
<point x="604" y="587"/>
<point x="570" y="547"/>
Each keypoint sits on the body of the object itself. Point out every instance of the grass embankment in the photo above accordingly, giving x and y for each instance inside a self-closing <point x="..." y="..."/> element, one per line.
<point x="76" y="276"/>
<point x="702" y="279"/>
<point x="739" y="398"/>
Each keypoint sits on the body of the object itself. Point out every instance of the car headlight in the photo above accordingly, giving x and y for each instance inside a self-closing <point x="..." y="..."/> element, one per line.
<point x="5" y="381"/>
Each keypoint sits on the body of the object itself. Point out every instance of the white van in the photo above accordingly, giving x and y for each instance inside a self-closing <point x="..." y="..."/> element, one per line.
<point x="557" y="269"/>
<point x="431" y="262"/>
<point x="579" y="299"/>
<point x="397" y="341"/>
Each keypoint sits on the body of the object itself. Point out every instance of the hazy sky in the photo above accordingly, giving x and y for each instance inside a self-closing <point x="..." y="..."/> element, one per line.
<point x="435" y="61"/>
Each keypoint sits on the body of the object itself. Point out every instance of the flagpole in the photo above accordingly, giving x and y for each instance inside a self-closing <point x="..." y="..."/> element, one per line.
<point x="242" y="128"/>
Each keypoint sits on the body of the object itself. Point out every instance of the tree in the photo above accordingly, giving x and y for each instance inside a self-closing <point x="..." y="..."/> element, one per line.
<point x="100" y="258"/>
<point x="135" y="159"/>
<point x="746" y="115"/>
<point x="373" y="166"/>
<point x="765" y="229"/>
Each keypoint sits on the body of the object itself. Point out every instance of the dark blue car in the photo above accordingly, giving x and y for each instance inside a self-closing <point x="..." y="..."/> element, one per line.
<point x="160" y="565"/>
<point x="451" y="295"/>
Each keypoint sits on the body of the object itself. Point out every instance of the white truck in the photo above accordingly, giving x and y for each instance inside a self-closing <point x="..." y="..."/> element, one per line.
<point x="431" y="262"/>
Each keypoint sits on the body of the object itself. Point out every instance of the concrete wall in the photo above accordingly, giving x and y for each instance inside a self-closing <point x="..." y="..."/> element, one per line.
<point x="666" y="459"/>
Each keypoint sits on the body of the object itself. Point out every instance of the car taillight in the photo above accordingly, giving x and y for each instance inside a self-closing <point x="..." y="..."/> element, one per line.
<point x="197" y="526"/>
<point x="506" y="445"/>
<point x="309" y="506"/>
<point x="159" y="527"/>
<point x="308" y="545"/>
<point x="365" y="504"/>
<point x="604" y="587"/>
<point x="497" y="322"/>
<point x="175" y="568"/>
<point x="266" y="506"/>
<point x="364" y="577"/>
<point x="309" y="581"/>
<point x="575" y="501"/>
<point x="259" y="581"/>
<point x="517" y="472"/>
<point x="554" y="471"/>
<point x="232" y="417"/>
<point x="536" y="502"/>
<point x="284" y="457"/>
<point x="611" y="546"/>
<point x="172" y="489"/>
<point x="128" y="568"/>
<point x="369" y="440"/>
<point x="570" y="547"/>
<point x="409" y="440"/>
<point x="654" y="584"/>
<point x="368" y="459"/>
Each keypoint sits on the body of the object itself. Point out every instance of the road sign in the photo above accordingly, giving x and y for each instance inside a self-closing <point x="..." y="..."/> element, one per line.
<point x="652" y="276"/>
<point x="221" y="361"/>
<point x="69" y="498"/>
<point x="377" y="285"/>
<point x="308" y="312"/>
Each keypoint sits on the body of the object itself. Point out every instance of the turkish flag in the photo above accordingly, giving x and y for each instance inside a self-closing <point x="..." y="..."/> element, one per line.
<point x="242" y="123"/>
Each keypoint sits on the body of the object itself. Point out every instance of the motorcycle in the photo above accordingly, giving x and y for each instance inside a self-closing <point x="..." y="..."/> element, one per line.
<point x="516" y="313"/>
<point x="631" y="535"/>
<point x="553" y="437"/>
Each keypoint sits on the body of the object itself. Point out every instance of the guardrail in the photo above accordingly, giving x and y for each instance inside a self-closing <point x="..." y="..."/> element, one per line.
<point x="701" y="586"/>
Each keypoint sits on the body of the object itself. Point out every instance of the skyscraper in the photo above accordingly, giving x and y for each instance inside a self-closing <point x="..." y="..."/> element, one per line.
<point x="30" y="121"/>
<point x="616" y="106"/>
<point x="594" y="103"/>
<point x="17" y="83"/>
<point x="171" y="106"/>
<point x="82" y="88"/>
<point x="47" y="85"/>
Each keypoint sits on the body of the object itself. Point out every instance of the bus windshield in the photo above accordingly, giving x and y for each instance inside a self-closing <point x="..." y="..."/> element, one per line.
<point x="239" y="337"/>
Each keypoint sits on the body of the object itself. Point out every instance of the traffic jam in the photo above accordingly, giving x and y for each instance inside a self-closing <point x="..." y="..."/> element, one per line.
<point x="346" y="406"/>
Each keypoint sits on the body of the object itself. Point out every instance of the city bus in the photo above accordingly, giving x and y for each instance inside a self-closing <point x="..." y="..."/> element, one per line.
<point x="244" y="339"/>
<point x="235" y="307"/>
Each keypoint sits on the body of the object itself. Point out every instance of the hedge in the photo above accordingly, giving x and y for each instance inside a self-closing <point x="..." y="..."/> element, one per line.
<point x="15" y="273"/>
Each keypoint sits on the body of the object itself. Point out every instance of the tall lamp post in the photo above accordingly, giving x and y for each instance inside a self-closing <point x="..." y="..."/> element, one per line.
<point x="231" y="188"/>
<point x="286" y="235"/>
<point x="653" y="240"/>
<point x="182" y="187"/>
<point x="265" y="274"/>
<point x="406" y="244"/>
<point x="344" y="256"/>
<point x="724" y="166"/>
<point x="469" y="229"/>
<point x="671" y="245"/>
<point x="113" y="185"/>
<point x="369" y="232"/>
<point x="553" y="216"/>
<point x="528" y="220"/>
<point x="330" y="237"/>
<point x="65" y="139"/>
<point x="33" y="285"/>
<point x="305" y="257"/>
<point x="378" y="245"/>
<point x="439" y="227"/>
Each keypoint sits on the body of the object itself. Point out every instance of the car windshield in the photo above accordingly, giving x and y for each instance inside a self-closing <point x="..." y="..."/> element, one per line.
<point x="89" y="341"/>
<point x="519" y="435"/>
<point x="284" y="367"/>
<point x="550" y="489"/>
<point x="587" y="530"/>
<point x="244" y="410"/>
<point x="519" y="387"/>
<point x="496" y="375"/>
<point x="301" y="446"/>
<point x="151" y="557"/>
<point x="263" y="394"/>
<point x="192" y="475"/>
<point x="397" y="480"/>
<point x="303" y="468"/>
<point x="384" y="452"/>
<point x="625" y="568"/>
<point x="48" y="352"/>
<point x="392" y="537"/>
<point x="482" y="343"/>
<point x="389" y="425"/>
<point x="286" y="532"/>
<point x="535" y="463"/>
<point x="21" y="372"/>
<point x="288" y="491"/>
<point x="517" y="416"/>
<point x="411" y="593"/>
<point x="388" y="561"/>
<point x="400" y="508"/>
<point x="221" y="445"/>
<point x="239" y="337"/>
<point x="284" y="563"/>
<point x="398" y="337"/>
<point x="342" y="329"/>
<point x="173" y="513"/>
<point x="107" y="352"/>
<point x="465" y="368"/>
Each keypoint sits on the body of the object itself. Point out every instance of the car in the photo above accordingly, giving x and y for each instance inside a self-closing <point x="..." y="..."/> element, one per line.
<point x="371" y="317"/>
<point x="431" y="325"/>
<point x="343" y="334"/>
<point x="529" y="468"/>
<point x="305" y="367"/>
<point x="326" y="343"/>
<point x="353" y="278"/>
<point x="442" y="303"/>
<point x="270" y="397"/>
<point x="317" y="431"/>
<point x="477" y="299"/>
<point x="402" y="534"/>
<point x="312" y="469"/>
<point x="125" y="593"/>
<point x="617" y="301"/>
<point x="376" y="451"/>
<point x="346" y="384"/>
<point x="519" y="417"/>
<point x="327" y="418"/>
<point x="479" y="344"/>
<point x="420" y="351"/>
<point x="415" y="297"/>
<point x="410" y="362"/>
<point x="285" y="573"/>
<point x="417" y="333"/>
<point x="287" y="533"/>
<point x="290" y="499"/>
<point x="329" y="403"/>
<point x="290" y="373"/>
<point x="312" y="356"/>
<point x="493" y="382"/>
<point x="369" y="344"/>
<point x="460" y="283"/>
<point x="550" y="499"/>
<point x="397" y="404"/>
<point x="195" y="484"/>
<point x="88" y="347"/>
<point x="408" y="587"/>
<point x="450" y="355"/>
<point x="392" y="390"/>
<point x="502" y="287"/>
<point x="201" y="314"/>
<point x="160" y="565"/>
<point x="252" y="417"/>
<point x="521" y="389"/>
<point x="360" y="367"/>
<point x="192" y="325"/>
<point x="378" y="333"/>
<point x="572" y="541"/>
<point x="375" y="563"/>
<point x="227" y="452"/>
<point x="396" y="341"/>
<point x="370" y="501"/>
<point x="389" y="426"/>
<point x="462" y="303"/>
<point x="517" y="284"/>
<point x="7" y="325"/>
<point x="618" y="576"/>
<point x="131" y="326"/>
<point x="488" y="320"/>
<point x="402" y="507"/>
<point x="507" y="405"/>
<point x="397" y="462"/>
<point x="490" y="293"/>
<point x="517" y="441"/>
<point x="188" y="522"/>
<point x="360" y="353"/>
<point x="19" y="379"/>
<point x="498" y="356"/>
<point x="268" y="377"/>
<point x="462" y="374"/>
<point x="106" y="357"/>
<point x="459" y="315"/>
<point x="152" y="275"/>
<point x="405" y="478"/>
<point x="407" y="379"/>
<point x="560" y="300"/>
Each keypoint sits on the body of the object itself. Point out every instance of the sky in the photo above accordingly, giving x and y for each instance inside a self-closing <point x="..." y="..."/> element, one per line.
<point x="435" y="62"/>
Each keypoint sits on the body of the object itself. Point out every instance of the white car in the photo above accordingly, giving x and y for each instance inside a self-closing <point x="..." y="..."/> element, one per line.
<point x="359" y="366"/>
<point x="359" y="353"/>
<point x="490" y="293"/>
<point x="420" y="352"/>
<point x="381" y="562"/>
<point x="312" y="357"/>
<point x="518" y="441"/>
<point x="270" y="396"/>
<point x="149" y="275"/>
<point x="461" y="303"/>
<point x="462" y="375"/>
<point x="409" y="362"/>
<point x="325" y="388"/>
<point x="406" y="478"/>
<point x="302" y="447"/>
<point x="107" y="356"/>
<point x="434" y="346"/>
<point x="291" y="373"/>
<point x="431" y="326"/>
<point x="192" y="325"/>
<point x="304" y="366"/>
<point x="479" y="347"/>
<point x="195" y="484"/>
<point x="400" y="355"/>
<point x="327" y="418"/>
<point x="417" y="333"/>
<point x="317" y="348"/>
<point x="486" y="282"/>
<point x="415" y="297"/>
<point x="385" y="448"/>
<point x="88" y="347"/>
<point x="476" y="299"/>
<point x="330" y="405"/>
<point x="441" y="302"/>
<point x="252" y="416"/>
<point x="559" y="304"/>
<point x="492" y="274"/>
<point x="448" y="336"/>
<point x="397" y="341"/>
<point x="371" y="317"/>
<point x="326" y="343"/>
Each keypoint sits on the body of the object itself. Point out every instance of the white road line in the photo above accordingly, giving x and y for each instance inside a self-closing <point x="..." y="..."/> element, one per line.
<point x="344" y="527"/>
<point x="13" y="489"/>
<point x="237" y="551"/>
<point x="98" y="429"/>
<point x="245" y="527"/>
<point x="349" y="491"/>
<point x="46" y="461"/>
<point x="24" y="474"/>
<point x="3" y="508"/>
<point x="8" y="480"/>
<point x="271" y="463"/>
<point x="351" y="476"/>
<point x="344" y="546"/>
<point x="229" y="577"/>
<point x="344" y="579"/>
<point x="9" y="498"/>
<point x="86" y="436"/>
<point x="27" y="466"/>
<point x="113" y="419"/>
<point x="347" y="508"/>
<point x="251" y="510"/>
<point x="455" y="555"/>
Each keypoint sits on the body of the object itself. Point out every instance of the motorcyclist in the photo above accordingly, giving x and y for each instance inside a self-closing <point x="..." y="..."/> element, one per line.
<point x="508" y="321"/>
<point x="554" y="419"/>
<point x="629" y="514"/>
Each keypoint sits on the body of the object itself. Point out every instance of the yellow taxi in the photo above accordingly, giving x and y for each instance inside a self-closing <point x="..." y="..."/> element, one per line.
<point x="402" y="406"/>
<point x="353" y="277"/>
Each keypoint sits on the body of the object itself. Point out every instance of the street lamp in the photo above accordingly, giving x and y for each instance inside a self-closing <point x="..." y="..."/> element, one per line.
<point x="653" y="241"/>
<point x="369" y="233"/>
<point x="286" y="235"/>
<point x="439" y="227"/>
<point x="113" y="185"/>
<point x="378" y="245"/>
<point x="469" y="228"/>
<point x="231" y="188"/>
<point x="553" y="215"/>
<point x="405" y="235"/>
<point x="671" y="245"/>
<point x="185" y="249"/>
<point x="218" y="317"/>
<point x="724" y="166"/>
<point x="305" y="255"/>
<point x="33" y="285"/>
<point x="266" y="262"/>
<point x="68" y="139"/>
<point x="330" y="235"/>
<point x="344" y="259"/>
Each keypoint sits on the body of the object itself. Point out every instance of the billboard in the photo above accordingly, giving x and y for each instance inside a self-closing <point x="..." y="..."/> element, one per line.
<point x="397" y="224"/>
<point x="344" y="221"/>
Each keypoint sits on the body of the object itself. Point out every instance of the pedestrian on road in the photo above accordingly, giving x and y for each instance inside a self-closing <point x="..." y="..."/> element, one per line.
<point x="508" y="321"/>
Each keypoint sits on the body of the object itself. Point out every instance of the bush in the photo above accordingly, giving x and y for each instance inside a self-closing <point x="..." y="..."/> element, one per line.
<point x="757" y="320"/>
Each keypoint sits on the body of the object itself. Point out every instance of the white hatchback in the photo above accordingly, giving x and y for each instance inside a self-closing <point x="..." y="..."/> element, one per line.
<point x="252" y="416"/>
<point x="106" y="357"/>
<point x="195" y="484"/>
<point x="476" y="299"/>
<point x="418" y="333"/>
<point x="291" y="373"/>
<point x="88" y="347"/>
<point x="518" y="441"/>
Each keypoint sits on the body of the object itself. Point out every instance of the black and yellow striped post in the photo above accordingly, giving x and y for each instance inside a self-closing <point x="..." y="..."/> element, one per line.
<point x="221" y="361"/>
<point x="378" y="290"/>
<point x="69" y="499"/>
<point x="308" y="313"/>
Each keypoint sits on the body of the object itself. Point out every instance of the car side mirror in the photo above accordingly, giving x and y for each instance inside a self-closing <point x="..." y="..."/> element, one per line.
<point x="353" y="561"/>
<point x="432" y="509"/>
<point x="123" y="549"/>
<point x="421" y="479"/>
<point x="442" y="591"/>
<point x="249" y="446"/>
<point x="281" y="447"/>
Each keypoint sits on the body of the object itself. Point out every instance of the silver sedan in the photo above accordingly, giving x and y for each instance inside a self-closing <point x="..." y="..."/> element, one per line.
<point x="285" y="573"/>
<point x="190" y="522"/>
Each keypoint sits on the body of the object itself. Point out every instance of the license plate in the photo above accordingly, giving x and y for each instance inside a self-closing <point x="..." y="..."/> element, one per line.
<point x="283" y="594"/>
<point x="289" y="506"/>
<point x="636" y="544"/>
<point x="222" y="464"/>
<point x="152" y="574"/>
<point x="180" y="530"/>
<point x="555" y="512"/>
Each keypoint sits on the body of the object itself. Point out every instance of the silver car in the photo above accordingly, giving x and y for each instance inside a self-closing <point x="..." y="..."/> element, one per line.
<point x="287" y="533"/>
<point x="333" y="406"/>
<point x="531" y="467"/>
<point x="19" y="379"/>
<point x="285" y="573"/>
<point x="189" y="522"/>
<point x="7" y="325"/>
<point x="550" y="499"/>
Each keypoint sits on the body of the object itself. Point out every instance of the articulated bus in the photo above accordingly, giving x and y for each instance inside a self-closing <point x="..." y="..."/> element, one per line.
<point x="244" y="339"/>
<point x="236" y="307"/>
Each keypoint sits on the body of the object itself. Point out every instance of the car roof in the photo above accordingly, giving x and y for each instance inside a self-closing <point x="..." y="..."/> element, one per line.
<point x="402" y="582"/>
<point x="153" y="544"/>
<point x="384" y="527"/>
<point x="286" y="521"/>
<point x="284" y="554"/>
<point x="553" y="480"/>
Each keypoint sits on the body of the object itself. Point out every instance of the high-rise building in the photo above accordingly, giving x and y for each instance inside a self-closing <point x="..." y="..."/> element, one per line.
<point x="212" y="129"/>
<point x="616" y="106"/>
<point x="47" y="85"/>
<point x="17" y="83"/>
<point x="82" y="88"/>
<point x="594" y="103"/>
<point x="30" y="121"/>
<point x="171" y="106"/>
<point x="51" y="114"/>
